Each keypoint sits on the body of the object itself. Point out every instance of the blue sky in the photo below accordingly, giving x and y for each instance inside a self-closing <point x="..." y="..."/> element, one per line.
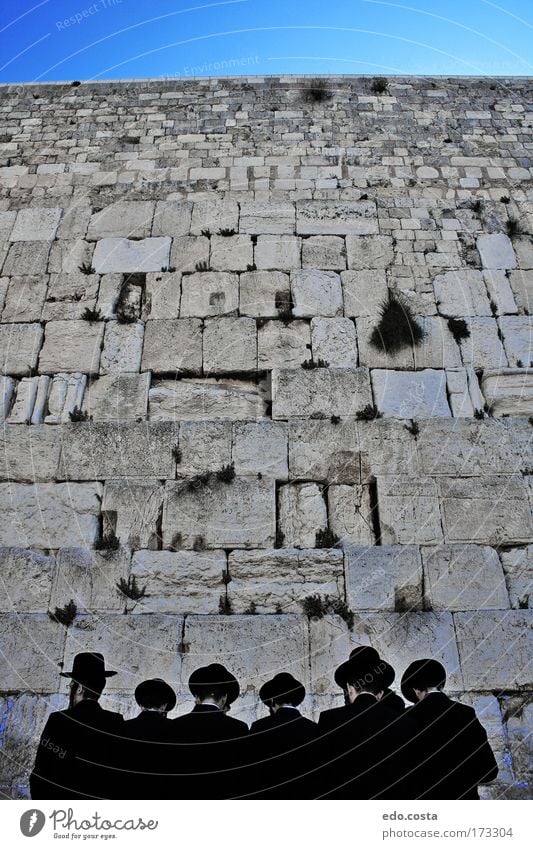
<point x="108" y="39"/>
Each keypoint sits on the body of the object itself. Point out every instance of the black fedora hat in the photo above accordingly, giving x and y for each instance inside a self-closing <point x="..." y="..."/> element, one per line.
<point x="364" y="670"/>
<point x="363" y="655"/>
<point x="421" y="674"/>
<point x="87" y="667"/>
<point x="283" y="687"/>
<point x="155" y="692"/>
<point x="214" y="675"/>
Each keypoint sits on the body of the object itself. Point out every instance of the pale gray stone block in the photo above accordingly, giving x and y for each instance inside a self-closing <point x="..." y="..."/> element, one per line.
<point x="518" y="569"/>
<point x="258" y="291"/>
<point x="32" y="649"/>
<point x="412" y="395"/>
<point x="24" y="299"/>
<point x="461" y="293"/>
<point x="90" y="579"/>
<point x="7" y="388"/>
<point x="316" y="293"/>
<point x="375" y="357"/>
<point x="172" y="218"/>
<point x="466" y="448"/>
<point x="132" y="512"/>
<point x="205" y="446"/>
<point x="22" y="409"/>
<point x="517" y="334"/>
<point x="7" y="221"/>
<point x="162" y="296"/>
<point x="214" y="213"/>
<point x="281" y="345"/>
<point x="67" y="256"/>
<point x="26" y="258"/>
<point x="369" y="252"/>
<point x="209" y="293"/>
<point x="283" y="577"/>
<point x="519" y="719"/>
<point x="315" y="216"/>
<point x="19" y="347"/>
<point x="124" y="255"/>
<point x="524" y="251"/>
<point x="26" y="580"/>
<point x="29" y="453"/>
<point x="438" y="349"/>
<point x="72" y="346"/>
<point x="350" y="514"/>
<point x="409" y="510"/>
<point x="330" y="391"/>
<point x="209" y="397"/>
<point x="123" y="346"/>
<point x="188" y="251"/>
<point x="301" y="513"/>
<point x="108" y="294"/>
<point x="67" y="392"/>
<point x="384" y="577"/>
<point x="490" y="509"/>
<point x="522" y="285"/>
<point x="239" y="514"/>
<point x="325" y="252"/>
<point x="495" y="648"/>
<point x="273" y="217"/>
<point x="24" y="717"/>
<point x="69" y="295"/>
<point x="322" y="451"/>
<point x="500" y="291"/>
<point x="173" y="345"/>
<point x="74" y="221"/>
<point x="458" y="393"/>
<point x="35" y="224"/>
<point x="496" y="251"/>
<point x="188" y="581"/>
<point x="483" y="348"/>
<point x="122" y="218"/>
<point x="508" y="392"/>
<point x="463" y="577"/>
<point x="229" y="344"/>
<point x="364" y="292"/>
<point x="260" y="447"/>
<point x="231" y="253"/>
<point x="277" y="252"/>
<point x="334" y="340"/>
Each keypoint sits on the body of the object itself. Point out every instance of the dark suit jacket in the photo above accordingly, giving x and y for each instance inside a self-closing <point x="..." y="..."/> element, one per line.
<point x="77" y="754"/>
<point x="455" y="755"/>
<point x="281" y="747"/>
<point x="366" y="752"/>
<point x="146" y="757"/>
<point x="209" y="753"/>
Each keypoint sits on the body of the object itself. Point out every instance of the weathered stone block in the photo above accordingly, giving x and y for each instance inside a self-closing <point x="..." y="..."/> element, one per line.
<point x="205" y="446"/>
<point x="72" y="346"/>
<point x="26" y="258"/>
<point x="260" y="447"/>
<point x="29" y="453"/>
<point x="302" y="512"/>
<point x="162" y="296"/>
<point x="117" y="397"/>
<point x="229" y="344"/>
<point x="322" y="451"/>
<point x="313" y="216"/>
<point x="495" y="649"/>
<point x="374" y="356"/>
<point x="173" y="345"/>
<point x="523" y="250"/>
<point x="36" y="224"/>
<point x="90" y="579"/>
<point x="122" y="218"/>
<point x="231" y="253"/>
<point x="209" y="293"/>
<point x="491" y="509"/>
<point x="123" y="345"/>
<point x="188" y="581"/>
<point x="461" y="293"/>
<point x="496" y="251"/>
<point x="517" y="331"/>
<point x="213" y="213"/>
<point x="258" y="290"/>
<point x="366" y="252"/>
<point x="188" y="251"/>
<point x="281" y="345"/>
<point x="239" y="514"/>
<point x="414" y="395"/>
<point x="132" y="512"/>
<point x="172" y="218"/>
<point x="329" y="391"/>
<point x="387" y="448"/>
<point x="500" y="291"/>
<point x="464" y="577"/>
<point x="26" y="580"/>
<point x="364" y="292"/>
<point x="483" y="348"/>
<point x="508" y="392"/>
<point x="125" y="255"/>
<point x="465" y="447"/>
<point x="325" y="252"/>
<point x="32" y="649"/>
<point x="409" y="510"/>
<point x="277" y="252"/>
<point x="350" y="514"/>
<point x="275" y="217"/>
<point x="522" y="285"/>
<point x="518" y="569"/>
<point x="69" y="295"/>
<point x="207" y="398"/>
<point x="334" y="340"/>
<point x="438" y="349"/>
<point x="282" y="578"/>
<point x="24" y="299"/>
<point x="316" y="293"/>
<point x="24" y="717"/>
<point x="19" y="347"/>
<point x="384" y="578"/>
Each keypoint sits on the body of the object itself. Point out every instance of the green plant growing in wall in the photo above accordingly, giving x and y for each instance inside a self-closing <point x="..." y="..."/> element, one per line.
<point x="513" y="227"/>
<point x="130" y="588"/>
<point x="310" y="364"/>
<point x="91" y="315"/>
<point x="225" y="606"/>
<point x="380" y="85"/>
<point x="206" y="233"/>
<point x="325" y="538"/>
<point x="397" y="327"/>
<point x="77" y="415"/>
<point x="413" y="428"/>
<point x="86" y="268"/>
<point x="227" y="473"/>
<point x="202" y="266"/>
<point x="317" y="91"/>
<point x="65" y="615"/>
<point x="368" y="413"/>
<point x="107" y="542"/>
<point x="226" y="231"/>
<point x="317" y="606"/>
<point x="458" y="328"/>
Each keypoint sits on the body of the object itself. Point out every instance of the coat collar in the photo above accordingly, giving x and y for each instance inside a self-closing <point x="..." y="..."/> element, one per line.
<point x="207" y="709"/>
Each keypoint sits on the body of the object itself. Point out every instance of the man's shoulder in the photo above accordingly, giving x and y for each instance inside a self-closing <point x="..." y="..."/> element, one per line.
<point x="262" y="724"/>
<point x="237" y="724"/>
<point x="333" y="716"/>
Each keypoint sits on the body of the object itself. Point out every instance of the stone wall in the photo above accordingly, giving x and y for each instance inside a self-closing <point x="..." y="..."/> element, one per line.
<point x="193" y="402"/>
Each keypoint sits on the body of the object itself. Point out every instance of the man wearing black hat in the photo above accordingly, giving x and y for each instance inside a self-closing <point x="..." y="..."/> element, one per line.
<point x="208" y="744"/>
<point x="454" y="752"/>
<point x="389" y="697"/>
<point x="147" y="756"/>
<point x="77" y="753"/>
<point x="366" y="749"/>
<point x="282" y="743"/>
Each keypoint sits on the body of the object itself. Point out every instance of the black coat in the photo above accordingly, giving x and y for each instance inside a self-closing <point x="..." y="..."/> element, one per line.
<point x="281" y="748"/>
<point x="366" y="752"/>
<point x="455" y="755"/>
<point x="77" y="754"/>
<point x="147" y="757"/>
<point x="209" y="753"/>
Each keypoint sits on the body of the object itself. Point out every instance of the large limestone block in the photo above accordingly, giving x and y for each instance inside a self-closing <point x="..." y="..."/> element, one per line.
<point x="32" y="649"/>
<point x="209" y="293"/>
<point x="464" y="577"/>
<point x="36" y="224"/>
<point x="314" y="216"/>
<point x="518" y="569"/>
<point x="461" y="293"/>
<point x="229" y="344"/>
<point x="26" y="258"/>
<point x="188" y="581"/>
<point x="207" y="398"/>
<point x="465" y="447"/>
<point x="399" y="638"/>
<point x="350" y="514"/>
<point x="172" y="218"/>
<point x="495" y="649"/>
<point x="96" y="451"/>
<point x="283" y="578"/>
<point x="90" y="579"/>
<point x="460" y="398"/>
<point x="24" y="299"/>
<point x="483" y="349"/>
<point x="23" y="719"/>
<point x="132" y="511"/>
<point x="260" y="448"/>
<point x="205" y="446"/>
<point x="66" y="394"/>
<point x="125" y="255"/>
<point x="524" y="251"/>
<point x="123" y="347"/>
<point x="364" y="292"/>
<point x="329" y="391"/>
<point x="29" y="453"/>
<point x="522" y="285"/>
<point x="492" y="509"/>
<point x="508" y="392"/>
<point x="49" y="515"/>
<point x="334" y="340"/>
<point x="273" y="217"/>
<point x="325" y="252"/>
<point x="316" y="293"/>
<point x="253" y="648"/>
<point x="122" y="218"/>
<point x="323" y="451"/>
<point x="137" y="647"/>
<point x="409" y="510"/>
<point x="187" y="252"/>
<point x="517" y="334"/>
<point x="238" y="514"/>
<point x="25" y="580"/>
<point x="173" y="345"/>
<point x="213" y="213"/>
<point x="162" y="296"/>
<point x="19" y="347"/>
<point x="258" y="291"/>
<point x="438" y="349"/>
<point x="413" y="395"/>
<point x="376" y="357"/>
<point x="384" y="577"/>
<point x="302" y="512"/>
<point x="278" y="252"/>
<point x="72" y="346"/>
<point x="366" y="252"/>
<point x="496" y="251"/>
<point x="387" y="448"/>
<point x="69" y="295"/>
<point x="67" y="256"/>
<point x="281" y="345"/>
<point x="519" y="720"/>
<point x="231" y="253"/>
<point x="117" y="397"/>
<point x="500" y="291"/>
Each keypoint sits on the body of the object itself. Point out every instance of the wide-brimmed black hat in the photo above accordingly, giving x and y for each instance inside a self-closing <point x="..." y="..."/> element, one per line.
<point x="283" y="687"/>
<point x="88" y="667"/>
<point x="214" y="675"/>
<point x="421" y="674"/>
<point x="155" y="692"/>
<point x="364" y="670"/>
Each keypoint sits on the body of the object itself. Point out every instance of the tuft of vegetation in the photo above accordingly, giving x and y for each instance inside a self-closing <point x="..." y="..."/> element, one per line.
<point x="202" y="266"/>
<point x="335" y="419"/>
<point x="317" y="91"/>
<point x="505" y="199"/>
<point x="198" y="480"/>
<point x="226" y="577"/>
<point x="317" y="606"/>
<point x="75" y="83"/>
<point x="325" y="538"/>
<point x="130" y="139"/>
<point x="65" y="615"/>
<point x="479" y="414"/>
<point x="458" y="328"/>
<point x="170" y="269"/>
<point x="225" y="606"/>
<point x="340" y="608"/>
<point x="252" y="267"/>
<point x="380" y="85"/>
<point x="476" y="206"/>
<point x="91" y="315"/>
<point x="226" y="473"/>
<point x="413" y="428"/>
<point x="368" y="413"/>
<point x="310" y="364"/>
<point x="252" y="609"/>
<point x="519" y="364"/>
<point x="318" y="415"/>
<point x="280" y="538"/>
<point x="284" y="305"/>
<point x="130" y="588"/>
<point x="226" y="231"/>
<point x="397" y="327"/>
<point x="513" y="227"/>
<point x="199" y="543"/>
<point x="206" y="233"/>
<point x="86" y="268"/>
<point x="493" y="308"/>
<point x="278" y="609"/>
<point x="77" y="415"/>
<point x="109" y="542"/>
<point x="177" y="454"/>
